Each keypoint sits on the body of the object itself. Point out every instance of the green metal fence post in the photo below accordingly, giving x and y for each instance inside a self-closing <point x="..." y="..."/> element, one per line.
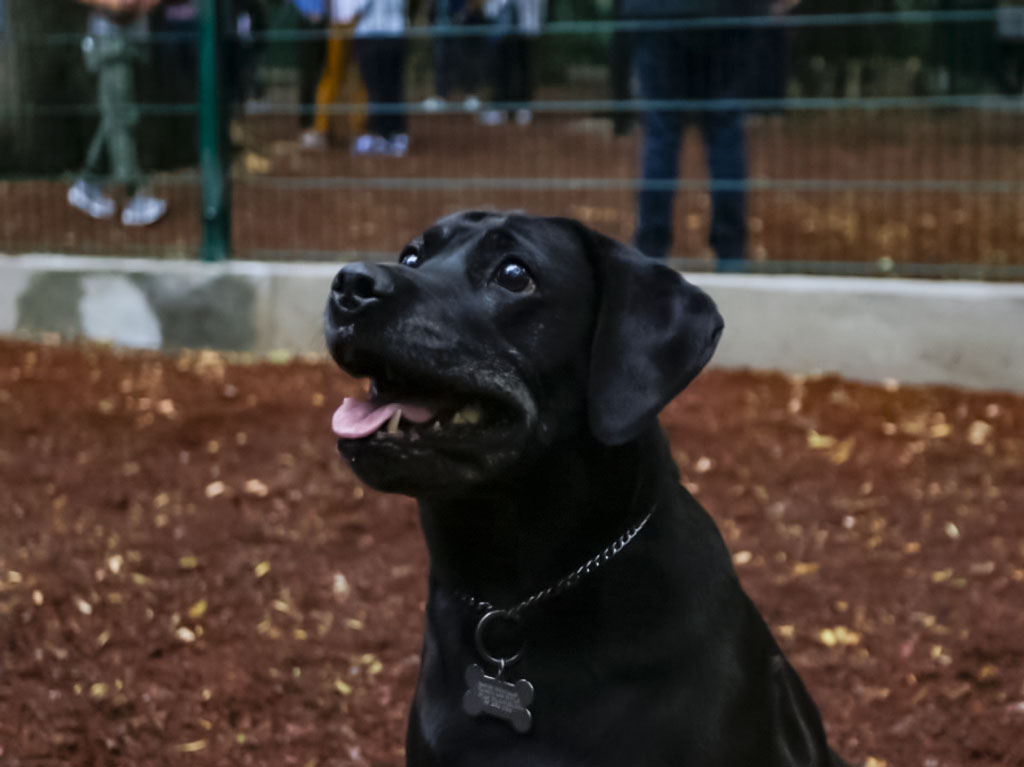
<point x="213" y="135"/>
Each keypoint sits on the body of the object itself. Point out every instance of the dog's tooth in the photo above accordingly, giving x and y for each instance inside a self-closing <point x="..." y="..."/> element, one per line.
<point x="468" y="415"/>
<point x="393" y="423"/>
<point x="472" y="413"/>
<point x="436" y="426"/>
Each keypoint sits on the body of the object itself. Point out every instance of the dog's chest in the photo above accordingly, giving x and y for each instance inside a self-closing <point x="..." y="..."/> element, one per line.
<point x="574" y="723"/>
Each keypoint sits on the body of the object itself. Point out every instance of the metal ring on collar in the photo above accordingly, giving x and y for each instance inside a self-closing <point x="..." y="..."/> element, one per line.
<point x="493" y="615"/>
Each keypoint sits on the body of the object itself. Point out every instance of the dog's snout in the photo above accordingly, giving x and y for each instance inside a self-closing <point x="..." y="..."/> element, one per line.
<point x="357" y="286"/>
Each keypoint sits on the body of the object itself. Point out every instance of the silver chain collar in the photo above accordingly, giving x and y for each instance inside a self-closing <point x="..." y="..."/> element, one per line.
<point x="565" y="583"/>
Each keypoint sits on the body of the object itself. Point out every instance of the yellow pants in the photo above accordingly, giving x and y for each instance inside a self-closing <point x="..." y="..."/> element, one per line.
<point x="340" y="62"/>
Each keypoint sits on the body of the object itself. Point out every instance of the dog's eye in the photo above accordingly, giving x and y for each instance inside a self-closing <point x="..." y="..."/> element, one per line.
<point x="513" y="276"/>
<point x="410" y="257"/>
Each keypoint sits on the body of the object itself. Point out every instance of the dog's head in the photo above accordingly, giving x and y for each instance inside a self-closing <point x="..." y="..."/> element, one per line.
<point x="498" y="335"/>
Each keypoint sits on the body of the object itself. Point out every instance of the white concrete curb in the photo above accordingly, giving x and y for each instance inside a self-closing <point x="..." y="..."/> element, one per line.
<point x="961" y="333"/>
<point x="951" y="332"/>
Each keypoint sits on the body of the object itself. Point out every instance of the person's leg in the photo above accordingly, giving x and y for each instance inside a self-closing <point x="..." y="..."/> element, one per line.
<point x="526" y="68"/>
<point x="655" y="62"/>
<point x="473" y="54"/>
<point x="443" y="54"/>
<point x="117" y="104"/>
<point x="727" y="60"/>
<point x="367" y="54"/>
<point x="727" y="166"/>
<point x="502" y="56"/>
<point x="513" y="66"/>
<point x="91" y="167"/>
<point x="356" y="91"/>
<point x="311" y="63"/>
<point x="121" y="113"/>
<point x="85" y="193"/>
<point x="393" y="58"/>
<point x="330" y="83"/>
<point x="459" y="75"/>
<point x="232" y="47"/>
<point x="499" y="59"/>
<point x="521" y="78"/>
<point x="621" y="65"/>
<point x="497" y="54"/>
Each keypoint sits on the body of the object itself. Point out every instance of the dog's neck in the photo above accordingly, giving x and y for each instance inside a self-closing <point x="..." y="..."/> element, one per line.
<point x="505" y="542"/>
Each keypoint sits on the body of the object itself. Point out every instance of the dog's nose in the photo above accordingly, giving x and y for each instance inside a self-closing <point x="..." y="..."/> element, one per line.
<point x="357" y="286"/>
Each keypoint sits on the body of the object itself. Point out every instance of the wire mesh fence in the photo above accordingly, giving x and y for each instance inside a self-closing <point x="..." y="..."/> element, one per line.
<point x="877" y="141"/>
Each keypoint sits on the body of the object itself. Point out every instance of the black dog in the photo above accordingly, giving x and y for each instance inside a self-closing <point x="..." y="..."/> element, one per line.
<point x="583" y="608"/>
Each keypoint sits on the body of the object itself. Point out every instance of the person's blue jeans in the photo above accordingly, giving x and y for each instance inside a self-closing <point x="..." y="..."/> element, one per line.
<point x="381" y="63"/>
<point x="700" y="64"/>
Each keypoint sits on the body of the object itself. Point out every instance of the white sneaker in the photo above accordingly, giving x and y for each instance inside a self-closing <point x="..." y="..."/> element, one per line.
<point x="363" y="144"/>
<point x="492" y="117"/>
<point x="471" y="103"/>
<point x="398" y="145"/>
<point x="524" y="117"/>
<point x="143" y="210"/>
<point x="313" y="139"/>
<point x="89" y="199"/>
<point x="433" y="104"/>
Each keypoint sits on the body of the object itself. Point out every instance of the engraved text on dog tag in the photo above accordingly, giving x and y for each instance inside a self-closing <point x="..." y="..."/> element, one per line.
<point x="498" y="698"/>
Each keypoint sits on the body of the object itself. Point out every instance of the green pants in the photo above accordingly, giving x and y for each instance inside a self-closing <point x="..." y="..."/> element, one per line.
<point x="113" y="56"/>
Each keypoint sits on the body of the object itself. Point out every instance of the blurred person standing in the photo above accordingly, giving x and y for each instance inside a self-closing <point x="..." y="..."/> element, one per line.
<point x="380" y="48"/>
<point x="339" y="68"/>
<point x="113" y="45"/>
<point x="517" y="24"/>
<point x="705" y="63"/>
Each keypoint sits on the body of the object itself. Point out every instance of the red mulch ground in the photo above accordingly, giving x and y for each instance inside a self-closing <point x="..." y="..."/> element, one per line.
<point x="290" y="203"/>
<point x="190" y="576"/>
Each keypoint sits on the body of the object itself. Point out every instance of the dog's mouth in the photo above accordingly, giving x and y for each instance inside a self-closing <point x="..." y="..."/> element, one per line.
<point x="431" y="421"/>
<point x="399" y="409"/>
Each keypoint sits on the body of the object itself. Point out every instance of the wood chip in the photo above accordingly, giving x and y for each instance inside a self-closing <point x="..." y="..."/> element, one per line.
<point x="257" y="488"/>
<point x="215" y="489"/>
<point x="198" y="610"/>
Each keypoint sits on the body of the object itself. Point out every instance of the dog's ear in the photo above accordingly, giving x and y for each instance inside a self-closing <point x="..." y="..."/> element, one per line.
<point x="655" y="332"/>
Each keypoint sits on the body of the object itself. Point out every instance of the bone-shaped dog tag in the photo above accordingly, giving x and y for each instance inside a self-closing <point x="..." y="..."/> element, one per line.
<point x="498" y="698"/>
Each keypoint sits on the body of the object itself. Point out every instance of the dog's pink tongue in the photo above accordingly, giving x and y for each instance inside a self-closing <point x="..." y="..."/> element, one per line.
<point x="357" y="418"/>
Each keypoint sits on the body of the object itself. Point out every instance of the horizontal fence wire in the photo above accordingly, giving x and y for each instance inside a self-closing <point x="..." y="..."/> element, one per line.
<point x="589" y="28"/>
<point x="987" y="102"/>
<point x="889" y="144"/>
<point x="456" y="183"/>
